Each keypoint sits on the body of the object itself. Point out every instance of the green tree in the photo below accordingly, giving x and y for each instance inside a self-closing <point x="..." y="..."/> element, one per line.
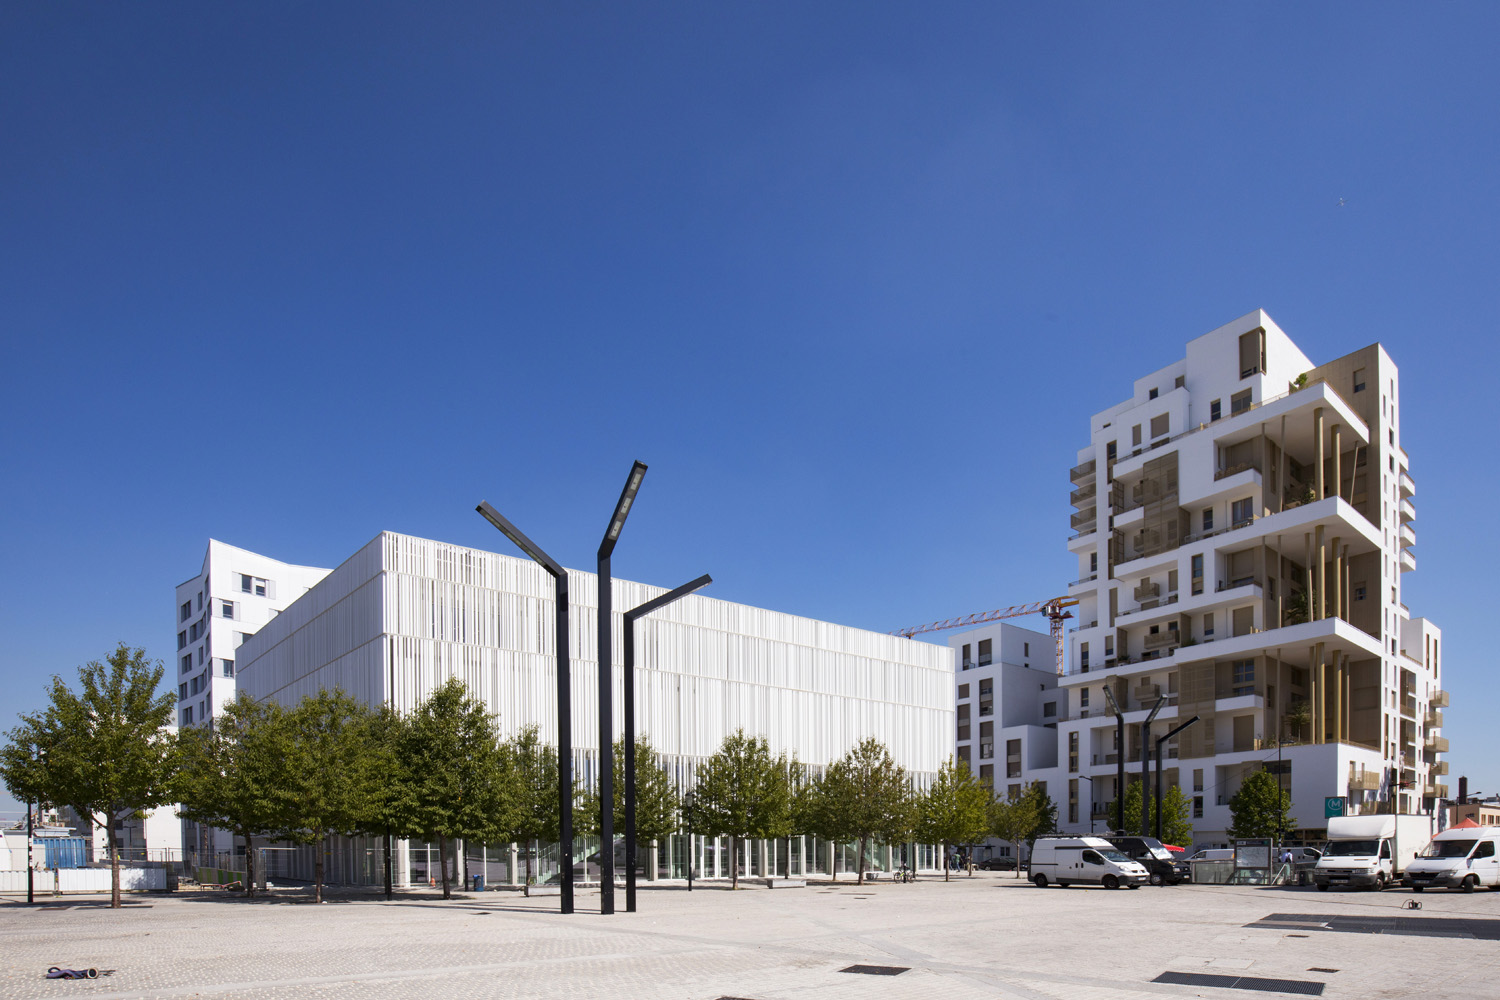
<point x="867" y="796"/>
<point x="1176" y="810"/>
<point x="1044" y="812"/>
<point x="103" y="750"/>
<point x="656" y="801"/>
<point x="1014" y="819"/>
<point x="802" y="808"/>
<point x="740" y="792"/>
<point x="955" y="809"/>
<point x="533" y="818"/>
<point x="392" y="788"/>
<point x="1260" y="808"/>
<point x="328" y="774"/>
<point x="230" y="772"/>
<point x="458" y="779"/>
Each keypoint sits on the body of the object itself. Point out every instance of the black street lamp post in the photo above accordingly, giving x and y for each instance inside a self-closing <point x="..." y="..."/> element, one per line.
<point x="1114" y="707"/>
<point x="606" y="694"/>
<point x="632" y="616"/>
<point x="1146" y="765"/>
<point x="564" y="695"/>
<point x="1159" y="743"/>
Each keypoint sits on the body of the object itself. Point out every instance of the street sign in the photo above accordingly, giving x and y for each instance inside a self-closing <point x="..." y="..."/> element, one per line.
<point x="1333" y="806"/>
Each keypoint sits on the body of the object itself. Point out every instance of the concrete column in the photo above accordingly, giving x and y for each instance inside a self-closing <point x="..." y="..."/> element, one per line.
<point x="890" y="858"/>
<point x="1338" y="698"/>
<point x="1318" y="452"/>
<point x="1307" y="561"/>
<point x="828" y="853"/>
<point x="765" y="859"/>
<point x="401" y="859"/>
<point x="1337" y="604"/>
<point x="513" y="874"/>
<point x="1348" y="700"/>
<point x="1348" y="596"/>
<point x="1338" y="462"/>
<point x="1281" y="468"/>
<point x="1322" y="555"/>
<point x="1319" y="695"/>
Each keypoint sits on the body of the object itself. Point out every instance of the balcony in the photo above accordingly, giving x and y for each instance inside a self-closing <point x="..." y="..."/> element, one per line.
<point x="1145" y="694"/>
<point x="1439" y="699"/>
<point x="1408" y="561"/>
<point x="1234" y="470"/>
<point x="1438" y="767"/>
<point x="1409" y="707"/>
<point x="1088" y="579"/>
<point x="1147" y="591"/>
<point x="1435" y="791"/>
<point x="1433" y="719"/>
<point x="1408" y="512"/>
<point x="1408" y="487"/>
<point x="1083" y="494"/>
<point x="1079" y="473"/>
<point x="1158" y="640"/>
<point x="1437" y="744"/>
<point x="1089" y="515"/>
<point x="1364" y="781"/>
<point x="1408" y="535"/>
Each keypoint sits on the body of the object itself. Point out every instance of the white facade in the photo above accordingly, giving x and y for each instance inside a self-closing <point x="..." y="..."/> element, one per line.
<point x="1228" y="487"/>
<point x="234" y="594"/>
<point x="403" y="615"/>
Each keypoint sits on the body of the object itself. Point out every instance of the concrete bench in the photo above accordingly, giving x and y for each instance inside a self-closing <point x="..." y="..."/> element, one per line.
<point x="544" y="890"/>
<point x="786" y="883"/>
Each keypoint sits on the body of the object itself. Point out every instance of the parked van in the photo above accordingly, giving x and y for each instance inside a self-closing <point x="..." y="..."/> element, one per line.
<point x="1214" y="854"/>
<point x="1083" y="860"/>
<point x="1159" y="863"/>
<point x="1371" y="852"/>
<point x="1463" y="858"/>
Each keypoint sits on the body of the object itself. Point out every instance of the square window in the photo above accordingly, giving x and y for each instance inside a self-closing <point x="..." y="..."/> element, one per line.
<point x="1239" y="402"/>
<point x="227" y="609"/>
<point x="1160" y="425"/>
<point x="1049" y="709"/>
<point x="1181" y="381"/>
<point x="1152" y="394"/>
<point x="226" y="668"/>
<point x="1242" y="511"/>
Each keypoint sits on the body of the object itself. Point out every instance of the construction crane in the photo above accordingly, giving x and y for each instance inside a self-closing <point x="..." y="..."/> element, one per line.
<point x="1052" y="607"/>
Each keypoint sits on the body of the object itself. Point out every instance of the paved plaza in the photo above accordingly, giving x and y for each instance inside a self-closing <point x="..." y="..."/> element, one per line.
<point x="990" y="935"/>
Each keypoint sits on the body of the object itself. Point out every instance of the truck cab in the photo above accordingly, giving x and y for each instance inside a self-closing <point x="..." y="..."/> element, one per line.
<point x="1370" y="852"/>
<point x="1465" y="857"/>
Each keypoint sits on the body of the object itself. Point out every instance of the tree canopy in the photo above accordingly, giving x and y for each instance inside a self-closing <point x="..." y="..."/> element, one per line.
<point x="866" y="796"/>
<point x="103" y="749"/>
<point x="955" y="809"/>
<point x="740" y="792"/>
<point x="1260" y="808"/>
<point x="1176" y="812"/>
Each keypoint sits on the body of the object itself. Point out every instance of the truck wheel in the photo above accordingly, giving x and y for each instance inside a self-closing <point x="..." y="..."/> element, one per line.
<point x="1039" y="880"/>
<point x="1110" y="882"/>
<point x="1469" y="883"/>
<point x="1156" y="878"/>
<point x="1380" y="882"/>
<point x="1417" y="888"/>
<point x="1322" y="886"/>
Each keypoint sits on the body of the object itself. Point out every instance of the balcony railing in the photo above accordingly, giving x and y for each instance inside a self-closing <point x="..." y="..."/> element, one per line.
<point x="1156" y="640"/>
<point x="1440" y="699"/>
<point x="1088" y="515"/>
<point x="1146" y="591"/>
<point x="1435" y="791"/>
<point x="1084" y="493"/>
<point x="1439" y="767"/>
<point x="1081" y="472"/>
<point x="1234" y="470"/>
<point x="1437" y="744"/>
<point x="1366" y="781"/>
<point x="1088" y="579"/>
<point x="986" y="708"/>
<point x="1086" y="531"/>
<point x="1433" y="719"/>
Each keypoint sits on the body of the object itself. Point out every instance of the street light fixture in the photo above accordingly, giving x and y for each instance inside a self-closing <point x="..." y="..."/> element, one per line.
<point x="1146" y="765"/>
<point x="632" y="616"/>
<point x="564" y="694"/>
<point x="1114" y="708"/>
<point x="1159" y="742"/>
<point x="606" y="693"/>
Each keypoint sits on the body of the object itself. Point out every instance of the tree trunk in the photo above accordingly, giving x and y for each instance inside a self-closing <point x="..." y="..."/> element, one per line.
<point x="388" y="877"/>
<point x="318" y="871"/>
<point x="526" y="847"/>
<point x="734" y="861"/>
<point x="249" y="865"/>
<point x="786" y="863"/>
<point x="114" y="861"/>
<point x="443" y="861"/>
<point x="947" y="868"/>
<point x="859" y="863"/>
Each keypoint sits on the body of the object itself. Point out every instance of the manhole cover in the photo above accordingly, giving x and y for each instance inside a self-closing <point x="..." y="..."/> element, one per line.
<point x="877" y="970"/>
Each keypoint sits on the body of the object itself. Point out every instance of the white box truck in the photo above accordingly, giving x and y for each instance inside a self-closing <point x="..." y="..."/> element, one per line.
<point x="1465" y="857"/>
<point x="1371" y="852"/>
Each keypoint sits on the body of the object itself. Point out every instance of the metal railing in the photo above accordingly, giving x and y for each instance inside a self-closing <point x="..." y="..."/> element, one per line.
<point x="1080" y="472"/>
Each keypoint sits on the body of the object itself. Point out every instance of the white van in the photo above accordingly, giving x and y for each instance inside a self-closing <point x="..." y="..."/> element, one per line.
<point x="1214" y="854"/>
<point x="1080" y="860"/>
<point x="1465" y="858"/>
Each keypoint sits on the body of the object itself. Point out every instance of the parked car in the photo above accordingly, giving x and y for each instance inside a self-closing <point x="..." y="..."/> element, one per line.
<point x="1163" y="866"/>
<point x="1003" y="863"/>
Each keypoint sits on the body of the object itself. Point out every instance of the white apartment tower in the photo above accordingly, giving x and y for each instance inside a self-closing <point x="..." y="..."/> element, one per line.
<point x="1242" y="525"/>
<point x="235" y="593"/>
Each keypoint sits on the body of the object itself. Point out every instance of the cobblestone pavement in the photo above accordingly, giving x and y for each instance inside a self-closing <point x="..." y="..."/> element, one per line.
<point x="991" y="935"/>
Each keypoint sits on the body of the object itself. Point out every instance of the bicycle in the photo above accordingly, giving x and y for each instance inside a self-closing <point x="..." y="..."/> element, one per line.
<point x="904" y="874"/>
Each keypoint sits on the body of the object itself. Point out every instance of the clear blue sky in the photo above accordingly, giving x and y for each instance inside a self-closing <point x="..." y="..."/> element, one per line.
<point x="850" y="277"/>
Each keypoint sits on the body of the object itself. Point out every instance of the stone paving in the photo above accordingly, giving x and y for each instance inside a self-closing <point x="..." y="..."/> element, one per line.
<point x="990" y="935"/>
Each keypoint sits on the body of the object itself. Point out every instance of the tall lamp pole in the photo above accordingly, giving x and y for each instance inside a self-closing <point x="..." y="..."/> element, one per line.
<point x="1159" y="743"/>
<point x="1146" y="765"/>
<point x="632" y="616"/>
<point x="1114" y="707"/>
<point x="564" y="695"/>
<point x="606" y="695"/>
<point x="1090" y="779"/>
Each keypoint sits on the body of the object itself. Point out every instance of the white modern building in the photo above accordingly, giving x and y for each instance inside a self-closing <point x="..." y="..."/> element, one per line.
<point x="232" y="596"/>
<point x="403" y="615"/>
<point x="1242" y="525"/>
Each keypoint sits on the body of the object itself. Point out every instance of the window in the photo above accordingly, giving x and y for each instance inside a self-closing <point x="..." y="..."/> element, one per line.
<point x="985" y="652"/>
<point x="967" y="662"/>
<point x="182" y="692"/>
<point x="1152" y="394"/>
<point x="1026" y="646"/>
<point x="1243" y="677"/>
<point x="254" y="585"/>
<point x="226" y="608"/>
<point x="182" y="640"/>
<point x="1241" y="512"/>
<point x="1359" y="380"/>
<point x="1208" y="624"/>
<point x="1252" y="352"/>
<point x="187" y="663"/>
<point x="200" y="600"/>
<point x="1208" y="519"/>
<point x="187" y="716"/>
<point x="1197" y="779"/>
<point x="187" y="611"/>
<point x="1359" y="592"/>
<point x="1093" y="568"/>
<point x="1214" y="411"/>
<point x="1083" y="697"/>
<point x="1160" y="425"/>
<point x="1180" y="382"/>
<point x="1083" y="655"/>
<point x="226" y="668"/>
<point x="1197" y="564"/>
<point x="1049" y="710"/>
<point x="1197" y="807"/>
<point x="963" y="691"/>
<point x="1110" y="451"/>
<point x="239" y="638"/>
<point x="1135" y="435"/>
<point x="1239" y="402"/>
<point x="200" y="656"/>
<point x="1171" y="581"/>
